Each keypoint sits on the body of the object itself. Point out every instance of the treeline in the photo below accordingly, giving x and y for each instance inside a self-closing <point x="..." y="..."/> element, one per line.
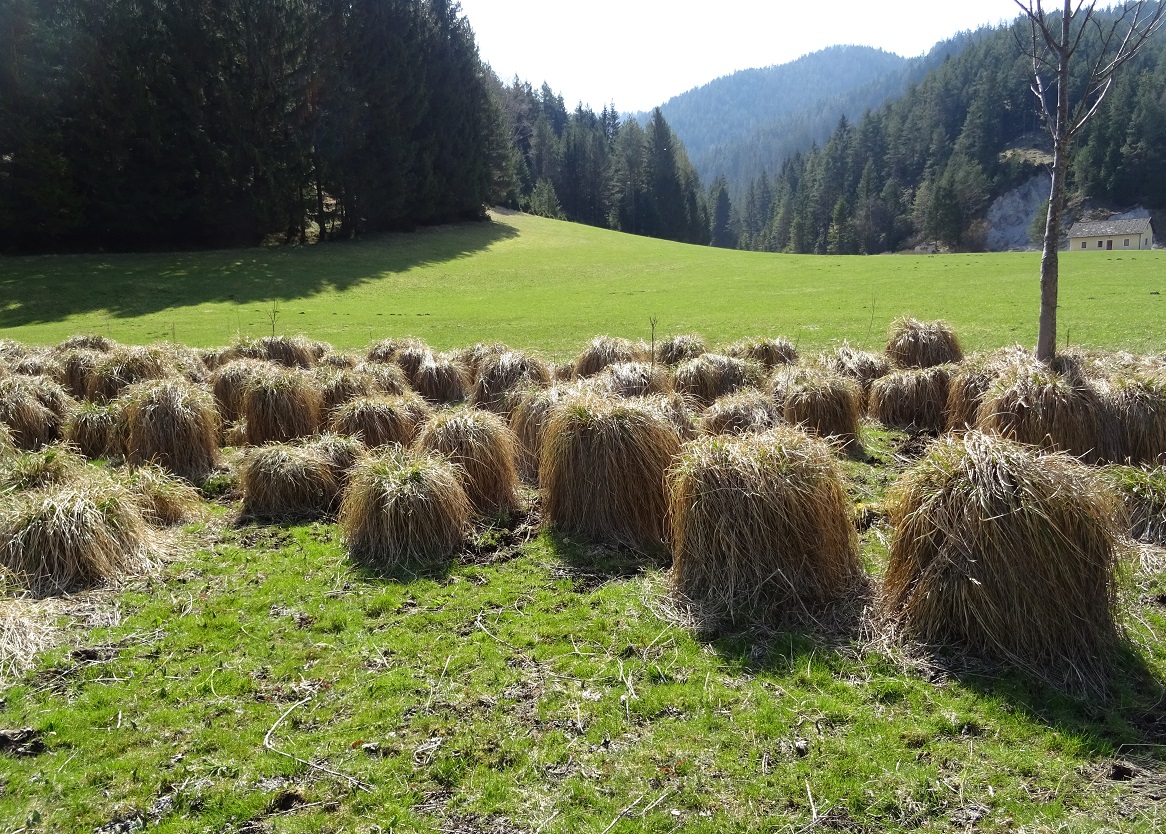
<point x="594" y="169"/>
<point x="134" y="124"/>
<point x="927" y="166"/>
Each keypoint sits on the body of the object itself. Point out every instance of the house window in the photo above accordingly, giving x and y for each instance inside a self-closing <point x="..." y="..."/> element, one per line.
<point x="1099" y="244"/>
<point x="1084" y="244"/>
<point x="1127" y="243"/>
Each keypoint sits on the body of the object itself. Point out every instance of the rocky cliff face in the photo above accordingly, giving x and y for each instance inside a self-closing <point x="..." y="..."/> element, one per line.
<point x="1010" y="216"/>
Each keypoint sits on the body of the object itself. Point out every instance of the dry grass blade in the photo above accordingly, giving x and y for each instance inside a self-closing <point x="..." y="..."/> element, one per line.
<point x="281" y="406"/>
<point x="379" y="421"/>
<point x="677" y="349"/>
<point x="914" y="399"/>
<point x="922" y="344"/>
<point x="484" y="450"/>
<point x="504" y="378"/>
<point x="171" y="423"/>
<point x="1007" y="555"/>
<point x="820" y="402"/>
<point x="607" y="350"/>
<point x="769" y="353"/>
<point x="745" y="412"/>
<point x="282" y="482"/>
<point x="404" y="508"/>
<point x="791" y="546"/>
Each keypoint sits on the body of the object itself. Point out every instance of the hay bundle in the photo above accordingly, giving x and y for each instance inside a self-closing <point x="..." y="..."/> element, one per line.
<point x="1007" y="555"/>
<point x="922" y="344"/>
<point x="86" y="341"/>
<point x="95" y="430"/>
<point x="403" y="508"/>
<point x="791" y="545"/>
<point x="769" y="353"/>
<point x="442" y="380"/>
<point x="35" y="410"/>
<point x="820" y="402"/>
<point x="384" y="350"/>
<point x="862" y="366"/>
<point x="1033" y="405"/>
<point x="529" y="422"/>
<point x="485" y="451"/>
<point x="229" y="383"/>
<point x="915" y="399"/>
<point x="677" y="349"/>
<point x="173" y="424"/>
<point x="51" y="465"/>
<point x="745" y="412"/>
<point x="711" y="376"/>
<point x="379" y="421"/>
<point x="281" y="406"/>
<point x="602" y="467"/>
<point x="634" y="379"/>
<point x="77" y="368"/>
<point x="67" y="538"/>
<point x="1137" y="404"/>
<point x="607" y="350"/>
<point x="283" y="482"/>
<point x="504" y="378"/>
<point x="161" y="498"/>
<point x="126" y="366"/>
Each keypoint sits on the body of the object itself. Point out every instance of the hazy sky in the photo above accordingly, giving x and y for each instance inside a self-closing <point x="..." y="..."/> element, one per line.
<point x="640" y="53"/>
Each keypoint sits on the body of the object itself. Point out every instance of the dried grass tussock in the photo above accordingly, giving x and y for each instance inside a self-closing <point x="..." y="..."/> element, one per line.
<point x="711" y="376"/>
<point x="86" y="341"/>
<point x="770" y="353"/>
<point x="35" y="410"/>
<point x="742" y="413"/>
<point x="791" y="545"/>
<point x="384" y="350"/>
<point x="410" y="358"/>
<point x="163" y="499"/>
<point x="1008" y="555"/>
<point x="677" y="349"/>
<point x="504" y="378"/>
<point x="913" y="399"/>
<point x="95" y="430"/>
<point x="922" y="344"/>
<point x="282" y="482"/>
<point x="601" y="472"/>
<point x="281" y="406"/>
<point x="485" y="452"/>
<point x="1137" y="406"/>
<point x="607" y="350"/>
<point x="342" y="454"/>
<point x="820" y="402"/>
<point x="442" y="380"/>
<point x="48" y="466"/>
<point x="379" y="421"/>
<point x="66" y="538"/>
<point x="404" y="508"/>
<point x="290" y="352"/>
<point x="171" y="423"/>
<point x="126" y="366"/>
<point x="77" y="367"/>
<point x="229" y="383"/>
<point x="634" y="379"/>
<point x="529" y="422"/>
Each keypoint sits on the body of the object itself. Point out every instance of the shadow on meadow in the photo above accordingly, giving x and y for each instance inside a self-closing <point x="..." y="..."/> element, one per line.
<point x="51" y="288"/>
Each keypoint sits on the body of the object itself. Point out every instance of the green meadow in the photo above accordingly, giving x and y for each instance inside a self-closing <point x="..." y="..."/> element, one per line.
<point x="550" y="286"/>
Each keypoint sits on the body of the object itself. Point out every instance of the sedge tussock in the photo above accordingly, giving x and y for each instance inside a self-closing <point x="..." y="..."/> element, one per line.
<point x="914" y="399"/>
<point x="1007" y="555"/>
<point x="410" y="359"/>
<point x="863" y="366"/>
<point x="70" y="537"/>
<point x="95" y="430"/>
<point x="442" y="380"/>
<point x="77" y="368"/>
<point x="340" y="451"/>
<point x="86" y="341"/>
<point x="339" y="361"/>
<point x="635" y="379"/>
<point x="681" y="348"/>
<point x="380" y="421"/>
<point x="162" y="499"/>
<point x="125" y="366"/>
<point x="745" y="412"/>
<point x="285" y="482"/>
<point x="1143" y="492"/>
<point x="7" y="444"/>
<point x="403" y="508"/>
<point x="504" y="378"/>
<point x="172" y="423"/>
<point x="675" y="408"/>
<point x="48" y="466"/>
<point x="1031" y="404"/>
<point x="1137" y="405"/>
<point x="11" y="350"/>
<point x="485" y="452"/>
<point x="711" y="376"/>
<point x="476" y="358"/>
<point x="229" y="383"/>
<point x="281" y="406"/>
<point x="187" y="362"/>
<point x="35" y="409"/>
<point x="770" y="353"/>
<point x="821" y="403"/>
<point x="39" y="364"/>
<point x="290" y="352"/>
<point x="922" y="344"/>
<point x="390" y="379"/>
<point x="529" y="423"/>
<point x="384" y="350"/>
<point x="562" y="371"/>
<point x="601" y="471"/>
<point x="338" y="386"/>
<point x="791" y="546"/>
<point x="607" y="350"/>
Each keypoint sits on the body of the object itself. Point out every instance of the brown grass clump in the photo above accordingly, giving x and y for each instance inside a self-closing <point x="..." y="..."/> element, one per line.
<point x="290" y="352"/>
<point x="529" y="422"/>
<point x="384" y="350"/>
<point x="477" y="357"/>
<point x="1137" y="406"/>
<point x="39" y="364"/>
<point x="379" y="421"/>
<point x="173" y="424"/>
<point x="677" y="349"/>
<point x="791" y="546"/>
<point x="635" y="379"/>
<point x="562" y="371"/>
<point x="50" y="465"/>
<point x="340" y="451"/>
<point x="66" y="538"/>
<point x="229" y="383"/>
<point x="281" y="406"/>
<point x="607" y="350"/>
<point x="1143" y="491"/>
<point x="914" y="399"/>
<point x="863" y="366"/>
<point x="1007" y="555"/>
<point x="390" y="379"/>
<point x="7" y="444"/>
<point x="338" y="386"/>
<point x="77" y="368"/>
<point x="442" y="380"/>
<point x="922" y="344"/>
<point x="1031" y="404"/>
<point x="675" y="408"/>
<point x="95" y="430"/>
<point x="711" y="376"/>
<point x="284" y="482"/>
<point x="11" y="350"/>
<point x="602" y="467"/>
<point x="504" y="378"/>
<point x="971" y="380"/>
<point x="35" y="410"/>
<point x="126" y="366"/>
<point x="485" y="451"/>
<point x="745" y="412"/>
<point x="187" y="362"/>
<point x="820" y="402"/>
<point x="403" y="508"/>
<point x="86" y="341"/>
<point x="339" y="361"/>
<point x="410" y="359"/>
<point x="769" y="353"/>
<point x="163" y="499"/>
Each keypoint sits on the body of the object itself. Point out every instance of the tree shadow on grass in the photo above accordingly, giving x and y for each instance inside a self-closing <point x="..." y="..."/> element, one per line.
<point x="51" y="288"/>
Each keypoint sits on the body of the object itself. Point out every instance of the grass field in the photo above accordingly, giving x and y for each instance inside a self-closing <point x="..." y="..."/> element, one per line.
<point x="546" y="285"/>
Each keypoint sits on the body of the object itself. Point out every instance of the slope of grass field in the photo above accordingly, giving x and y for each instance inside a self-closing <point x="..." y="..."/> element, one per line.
<point x="546" y="285"/>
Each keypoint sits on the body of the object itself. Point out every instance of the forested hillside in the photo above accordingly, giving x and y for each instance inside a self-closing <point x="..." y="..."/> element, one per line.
<point x="926" y="166"/>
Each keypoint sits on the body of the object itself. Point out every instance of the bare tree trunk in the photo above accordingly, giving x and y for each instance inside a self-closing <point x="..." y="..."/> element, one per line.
<point x="1046" y="340"/>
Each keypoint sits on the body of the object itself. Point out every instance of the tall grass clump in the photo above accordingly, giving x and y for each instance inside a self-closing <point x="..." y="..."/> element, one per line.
<point x="820" y="402"/>
<point x="281" y="406"/>
<point x="341" y="452"/>
<point x="288" y="351"/>
<point x="742" y="413"/>
<point x="529" y="422"/>
<point x="338" y="386"/>
<point x="86" y="341"/>
<point x="711" y="376"/>
<point x="770" y="353"/>
<point x="404" y="508"/>
<point x="442" y="380"/>
<point x="1143" y="491"/>
<point x="39" y="364"/>
<point x="380" y="421"/>
<point x="607" y="350"/>
<point x="163" y="499"/>
<point x="504" y="378"/>
<point x="229" y="383"/>
<point x="49" y="465"/>
<point x="1031" y="404"/>
<point x="95" y="430"/>
<point x="384" y="350"/>
<point x="922" y="344"/>
<point x="971" y="380"/>
<point x="863" y="366"/>
<point x="601" y="472"/>
<point x="681" y="348"/>
<point x="173" y="424"/>
<point x="475" y="358"/>
<point x="791" y="547"/>
<point x="125" y="366"/>
<point x="1136" y="405"/>
<point x="285" y="482"/>
<point x="35" y="410"/>
<point x="634" y="379"/>
<point x="390" y="379"/>
<point x="914" y="399"/>
<point x="1006" y="555"/>
<point x="410" y="359"/>
<point x="484" y="450"/>
<point x="77" y="367"/>
<point x="69" y="537"/>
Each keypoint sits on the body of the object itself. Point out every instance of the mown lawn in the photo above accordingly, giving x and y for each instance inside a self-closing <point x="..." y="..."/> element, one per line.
<point x="550" y="286"/>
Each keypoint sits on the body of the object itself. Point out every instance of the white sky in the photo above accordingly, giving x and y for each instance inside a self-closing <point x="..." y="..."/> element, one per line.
<point x="640" y="53"/>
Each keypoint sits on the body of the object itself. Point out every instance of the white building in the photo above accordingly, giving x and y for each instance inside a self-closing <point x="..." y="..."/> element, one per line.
<point x="1111" y="235"/>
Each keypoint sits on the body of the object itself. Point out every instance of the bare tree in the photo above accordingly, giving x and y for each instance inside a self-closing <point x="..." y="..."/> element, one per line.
<point x="1107" y="41"/>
